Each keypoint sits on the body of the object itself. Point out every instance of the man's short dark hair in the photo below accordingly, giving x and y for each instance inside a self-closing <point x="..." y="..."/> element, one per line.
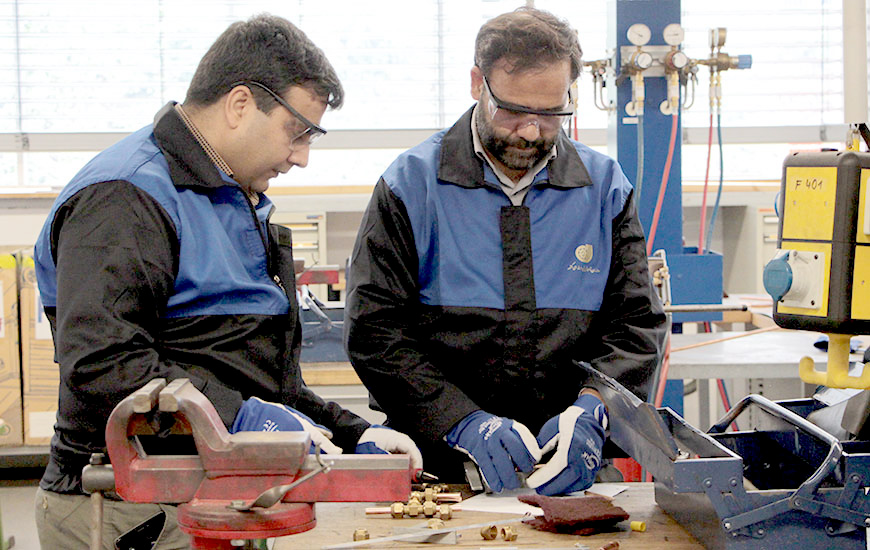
<point x="527" y="38"/>
<point x="267" y="49"/>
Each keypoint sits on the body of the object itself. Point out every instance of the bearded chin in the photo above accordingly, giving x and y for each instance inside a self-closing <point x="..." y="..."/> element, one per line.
<point x="514" y="153"/>
<point x="524" y="159"/>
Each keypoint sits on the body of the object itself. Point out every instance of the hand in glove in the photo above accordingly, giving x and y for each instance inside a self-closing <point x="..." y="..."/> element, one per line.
<point x="499" y="446"/>
<point x="577" y="435"/>
<point x="257" y="415"/>
<point x="379" y="439"/>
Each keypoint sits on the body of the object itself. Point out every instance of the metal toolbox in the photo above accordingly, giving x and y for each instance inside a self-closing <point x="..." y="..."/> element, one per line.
<point x="785" y="484"/>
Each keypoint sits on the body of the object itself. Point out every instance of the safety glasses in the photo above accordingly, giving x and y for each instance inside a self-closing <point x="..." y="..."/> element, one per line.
<point x="511" y="115"/>
<point x="311" y="133"/>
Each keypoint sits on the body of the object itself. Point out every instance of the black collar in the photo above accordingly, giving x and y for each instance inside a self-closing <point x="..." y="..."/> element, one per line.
<point x="459" y="164"/>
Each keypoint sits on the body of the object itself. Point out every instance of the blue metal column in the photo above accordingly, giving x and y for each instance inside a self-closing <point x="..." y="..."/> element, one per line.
<point x="695" y="279"/>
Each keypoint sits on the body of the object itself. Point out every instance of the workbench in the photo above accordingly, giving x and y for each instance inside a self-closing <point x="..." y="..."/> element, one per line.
<point x="336" y="523"/>
<point x="773" y="354"/>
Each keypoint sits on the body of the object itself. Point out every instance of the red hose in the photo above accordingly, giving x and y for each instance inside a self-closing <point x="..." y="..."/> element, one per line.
<point x="663" y="376"/>
<point x="726" y="404"/>
<point x="704" y="196"/>
<point x="661" y="198"/>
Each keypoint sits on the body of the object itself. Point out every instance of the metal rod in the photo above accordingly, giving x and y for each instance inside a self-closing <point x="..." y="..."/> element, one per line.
<point x="418" y="533"/>
<point x="271" y="497"/>
<point x="97" y="520"/>
<point x="717" y="340"/>
<point x="705" y="307"/>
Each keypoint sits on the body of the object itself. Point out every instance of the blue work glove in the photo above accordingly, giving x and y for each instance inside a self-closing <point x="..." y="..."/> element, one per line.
<point x="499" y="446"/>
<point x="257" y="415"/>
<point x="379" y="439"/>
<point x="577" y="435"/>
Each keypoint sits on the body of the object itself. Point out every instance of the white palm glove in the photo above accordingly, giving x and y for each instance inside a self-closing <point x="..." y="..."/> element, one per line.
<point x="578" y="436"/>
<point x="379" y="439"/>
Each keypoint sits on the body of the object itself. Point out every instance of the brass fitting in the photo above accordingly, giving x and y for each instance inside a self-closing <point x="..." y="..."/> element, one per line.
<point x="397" y="509"/>
<point x="489" y="532"/>
<point x="429" y="508"/>
<point x="508" y="533"/>
<point x="414" y="508"/>
<point x="445" y="511"/>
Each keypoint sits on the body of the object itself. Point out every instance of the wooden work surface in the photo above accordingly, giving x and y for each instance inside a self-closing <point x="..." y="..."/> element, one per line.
<point x="336" y="523"/>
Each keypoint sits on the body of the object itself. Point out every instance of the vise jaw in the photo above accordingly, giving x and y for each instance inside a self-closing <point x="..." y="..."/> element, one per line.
<point x="247" y="485"/>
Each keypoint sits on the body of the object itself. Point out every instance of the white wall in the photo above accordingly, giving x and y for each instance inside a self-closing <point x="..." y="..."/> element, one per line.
<point x="21" y="225"/>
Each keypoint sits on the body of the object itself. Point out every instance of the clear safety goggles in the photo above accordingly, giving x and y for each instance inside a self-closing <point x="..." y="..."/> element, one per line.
<point x="311" y="133"/>
<point x="513" y="116"/>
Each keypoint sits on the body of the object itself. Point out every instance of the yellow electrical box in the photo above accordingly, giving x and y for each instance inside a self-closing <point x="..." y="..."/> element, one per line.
<point x="825" y="231"/>
<point x="820" y="276"/>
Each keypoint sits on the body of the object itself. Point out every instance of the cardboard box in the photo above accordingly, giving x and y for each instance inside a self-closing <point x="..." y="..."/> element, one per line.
<point x="11" y="431"/>
<point x="40" y="374"/>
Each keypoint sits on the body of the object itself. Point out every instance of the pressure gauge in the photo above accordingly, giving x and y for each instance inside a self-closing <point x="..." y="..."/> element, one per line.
<point x="673" y="34"/>
<point x="717" y="37"/>
<point x="676" y="59"/>
<point x="639" y="34"/>
<point x="642" y="60"/>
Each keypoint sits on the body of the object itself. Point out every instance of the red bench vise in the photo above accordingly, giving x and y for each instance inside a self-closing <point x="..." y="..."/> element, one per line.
<point x="238" y="487"/>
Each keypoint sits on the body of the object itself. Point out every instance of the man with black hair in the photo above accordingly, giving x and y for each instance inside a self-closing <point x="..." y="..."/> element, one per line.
<point x="492" y="257"/>
<point x="158" y="261"/>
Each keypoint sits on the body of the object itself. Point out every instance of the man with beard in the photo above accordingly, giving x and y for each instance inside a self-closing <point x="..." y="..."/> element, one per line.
<point x="491" y="258"/>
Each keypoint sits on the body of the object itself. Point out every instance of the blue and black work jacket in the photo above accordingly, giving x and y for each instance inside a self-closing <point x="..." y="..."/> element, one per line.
<point x="459" y="301"/>
<point x="153" y="263"/>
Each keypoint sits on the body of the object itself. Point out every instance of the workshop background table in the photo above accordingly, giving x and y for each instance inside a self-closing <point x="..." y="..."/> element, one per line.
<point x="336" y="523"/>
<point x="750" y="356"/>
<point x="773" y="354"/>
